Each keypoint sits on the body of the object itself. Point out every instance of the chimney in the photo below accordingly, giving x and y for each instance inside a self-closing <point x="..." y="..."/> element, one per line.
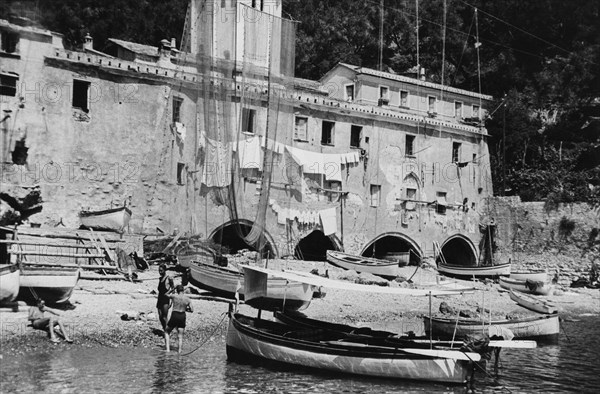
<point x="173" y="43"/>
<point x="88" y="42"/>
<point x="164" y="54"/>
<point x="422" y="73"/>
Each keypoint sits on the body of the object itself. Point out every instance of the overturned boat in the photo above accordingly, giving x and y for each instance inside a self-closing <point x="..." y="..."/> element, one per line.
<point x="114" y="219"/>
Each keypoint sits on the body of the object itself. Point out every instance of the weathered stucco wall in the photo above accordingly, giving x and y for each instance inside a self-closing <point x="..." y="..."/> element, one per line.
<point x="563" y="238"/>
<point x="125" y="149"/>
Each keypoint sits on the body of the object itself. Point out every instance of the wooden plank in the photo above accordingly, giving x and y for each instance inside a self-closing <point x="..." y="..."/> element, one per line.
<point x="110" y="252"/>
<point x="67" y="265"/>
<point x="173" y="242"/>
<point x="54" y="254"/>
<point x="31" y="243"/>
<point x="47" y="233"/>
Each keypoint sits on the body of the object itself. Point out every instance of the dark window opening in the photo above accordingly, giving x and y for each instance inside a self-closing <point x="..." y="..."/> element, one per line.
<point x="409" y="145"/>
<point x="300" y="129"/>
<point x="19" y="155"/>
<point x="8" y="42"/>
<point x="456" y="152"/>
<point x="248" y="120"/>
<point x="440" y="206"/>
<point x="404" y="98"/>
<point x="327" y="133"/>
<point x="375" y="195"/>
<point x="431" y="104"/>
<point x="177" y="103"/>
<point x="349" y="92"/>
<point x="80" y="95"/>
<point x="180" y="169"/>
<point x="355" y="136"/>
<point x="333" y="185"/>
<point x="8" y="85"/>
<point x="253" y="3"/>
<point x="458" y="113"/>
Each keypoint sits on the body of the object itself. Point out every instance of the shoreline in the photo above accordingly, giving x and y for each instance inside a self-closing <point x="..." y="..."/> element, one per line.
<point x="94" y="316"/>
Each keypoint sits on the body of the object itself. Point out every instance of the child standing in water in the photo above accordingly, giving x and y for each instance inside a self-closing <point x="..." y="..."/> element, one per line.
<point x="181" y="304"/>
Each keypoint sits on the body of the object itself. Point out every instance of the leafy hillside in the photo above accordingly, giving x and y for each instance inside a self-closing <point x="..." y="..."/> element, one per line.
<point x="540" y="59"/>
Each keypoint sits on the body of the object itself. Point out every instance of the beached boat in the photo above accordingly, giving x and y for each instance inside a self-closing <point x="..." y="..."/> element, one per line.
<point x="9" y="282"/>
<point x="527" y="286"/>
<point x="222" y="281"/>
<point x="115" y="219"/>
<point x="383" y="268"/>
<point x="480" y="271"/>
<point x="532" y="303"/>
<point x="51" y="284"/>
<point x="535" y="275"/>
<point x="273" y="293"/>
<point x="538" y="327"/>
<point x="254" y="339"/>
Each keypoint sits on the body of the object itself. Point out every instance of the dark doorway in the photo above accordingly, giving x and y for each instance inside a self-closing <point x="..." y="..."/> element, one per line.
<point x="458" y="251"/>
<point x="391" y="246"/>
<point x="314" y="247"/>
<point x="231" y="238"/>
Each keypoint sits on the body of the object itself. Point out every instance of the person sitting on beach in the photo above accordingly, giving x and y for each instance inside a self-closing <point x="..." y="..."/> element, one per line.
<point x="181" y="304"/>
<point x="165" y="284"/>
<point x="40" y="322"/>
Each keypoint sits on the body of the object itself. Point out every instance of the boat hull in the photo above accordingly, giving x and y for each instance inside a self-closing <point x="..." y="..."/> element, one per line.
<point x="486" y="271"/>
<point x="245" y="343"/>
<point x="115" y="219"/>
<point x="54" y="286"/>
<point x="521" y="285"/>
<point x="539" y="328"/>
<point x="10" y="276"/>
<point x="222" y="281"/>
<point x="532" y="303"/>
<point x="383" y="268"/>
<point x="275" y="294"/>
<point x="538" y="276"/>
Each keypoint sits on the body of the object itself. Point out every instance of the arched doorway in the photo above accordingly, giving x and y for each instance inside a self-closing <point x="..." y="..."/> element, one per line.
<point x="389" y="244"/>
<point x="315" y="245"/>
<point x="231" y="237"/>
<point x="459" y="250"/>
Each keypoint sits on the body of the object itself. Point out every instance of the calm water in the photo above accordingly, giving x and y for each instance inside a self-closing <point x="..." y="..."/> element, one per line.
<point x="567" y="366"/>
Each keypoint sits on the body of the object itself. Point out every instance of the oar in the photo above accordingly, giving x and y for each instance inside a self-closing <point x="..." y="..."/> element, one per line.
<point x="451" y="354"/>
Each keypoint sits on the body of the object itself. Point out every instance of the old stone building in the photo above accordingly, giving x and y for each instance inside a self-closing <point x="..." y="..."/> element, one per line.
<point x="366" y="161"/>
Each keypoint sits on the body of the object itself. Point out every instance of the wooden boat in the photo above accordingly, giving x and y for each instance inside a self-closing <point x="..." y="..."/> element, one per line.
<point x="532" y="303"/>
<point x="9" y="282"/>
<point x="538" y="327"/>
<point x="115" y="219"/>
<point x="527" y="286"/>
<point x="535" y="275"/>
<point x="480" y="271"/>
<point x="402" y="258"/>
<point x="263" y="291"/>
<point x="222" y="281"/>
<point x="53" y="285"/>
<point x="254" y="339"/>
<point x="383" y="268"/>
<point x="381" y="337"/>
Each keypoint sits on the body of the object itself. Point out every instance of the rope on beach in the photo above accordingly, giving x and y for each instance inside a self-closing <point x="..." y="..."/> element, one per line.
<point x="225" y="314"/>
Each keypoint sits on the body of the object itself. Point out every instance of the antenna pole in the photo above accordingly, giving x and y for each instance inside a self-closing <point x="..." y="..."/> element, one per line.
<point x="477" y="45"/>
<point x="381" y="35"/>
<point x="417" y="31"/>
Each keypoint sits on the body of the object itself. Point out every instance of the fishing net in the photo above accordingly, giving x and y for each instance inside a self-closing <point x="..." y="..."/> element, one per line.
<point x="246" y="119"/>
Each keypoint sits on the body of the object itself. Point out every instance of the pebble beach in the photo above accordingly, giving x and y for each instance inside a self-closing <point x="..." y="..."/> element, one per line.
<point x="119" y="313"/>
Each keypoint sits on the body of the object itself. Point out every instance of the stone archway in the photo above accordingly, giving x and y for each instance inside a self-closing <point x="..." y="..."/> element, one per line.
<point x="459" y="250"/>
<point x="228" y="236"/>
<point x="387" y="244"/>
<point x="315" y="245"/>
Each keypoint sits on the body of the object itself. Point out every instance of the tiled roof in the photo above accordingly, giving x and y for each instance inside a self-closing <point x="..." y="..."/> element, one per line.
<point x="141" y="49"/>
<point x="402" y="78"/>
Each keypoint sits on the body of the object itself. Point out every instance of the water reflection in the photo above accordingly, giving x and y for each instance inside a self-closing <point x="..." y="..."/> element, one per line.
<point x="566" y="366"/>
